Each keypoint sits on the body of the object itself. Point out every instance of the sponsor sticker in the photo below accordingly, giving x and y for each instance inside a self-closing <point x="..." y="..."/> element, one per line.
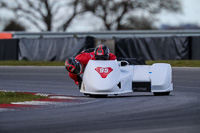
<point x="104" y="71"/>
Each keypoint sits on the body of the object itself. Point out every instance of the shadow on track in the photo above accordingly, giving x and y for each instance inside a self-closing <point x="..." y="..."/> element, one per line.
<point x="123" y="96"/>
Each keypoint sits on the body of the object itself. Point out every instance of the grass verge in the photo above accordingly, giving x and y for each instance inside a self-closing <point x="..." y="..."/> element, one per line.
<point x="8" y="97"/>
<point x="178" y="63"/>
<point x="174" y="63"/>
<point x="32" y="63"/>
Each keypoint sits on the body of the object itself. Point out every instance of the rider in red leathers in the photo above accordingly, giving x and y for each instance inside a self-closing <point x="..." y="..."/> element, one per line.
<point x="75" y="66"/>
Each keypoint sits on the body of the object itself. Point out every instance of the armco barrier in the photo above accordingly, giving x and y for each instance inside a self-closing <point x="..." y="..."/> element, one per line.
<point x="109" y="34"/>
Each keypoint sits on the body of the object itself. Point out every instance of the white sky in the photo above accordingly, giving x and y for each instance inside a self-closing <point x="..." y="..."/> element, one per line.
<point x="190" y="14"/>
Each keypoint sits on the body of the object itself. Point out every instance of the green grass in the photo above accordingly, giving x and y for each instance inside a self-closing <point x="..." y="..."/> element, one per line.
<point x="174" y="63"/>
<point x="32" y="63"/>
<point x="8" y="97"/>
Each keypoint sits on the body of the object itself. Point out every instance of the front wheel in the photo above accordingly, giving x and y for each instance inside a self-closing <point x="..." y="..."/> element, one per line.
<point x="161" y="93"/>
<point x="98" y="96"/>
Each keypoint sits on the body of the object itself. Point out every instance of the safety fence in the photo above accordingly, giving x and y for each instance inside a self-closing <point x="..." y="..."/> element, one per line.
<point x="58" y="49"/>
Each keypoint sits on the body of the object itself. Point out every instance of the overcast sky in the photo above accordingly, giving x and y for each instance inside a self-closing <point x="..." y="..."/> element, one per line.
<point x="190" y="14"/>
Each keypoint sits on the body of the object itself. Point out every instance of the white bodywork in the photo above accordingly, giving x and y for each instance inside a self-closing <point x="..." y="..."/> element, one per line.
<point x="159" y="75"/>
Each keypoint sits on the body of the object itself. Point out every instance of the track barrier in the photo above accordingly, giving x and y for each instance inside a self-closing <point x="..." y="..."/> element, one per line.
<point x="58" y="49"/>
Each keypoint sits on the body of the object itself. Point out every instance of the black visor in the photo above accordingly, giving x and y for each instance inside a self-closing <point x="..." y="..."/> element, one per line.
<point x="77" y="69"/>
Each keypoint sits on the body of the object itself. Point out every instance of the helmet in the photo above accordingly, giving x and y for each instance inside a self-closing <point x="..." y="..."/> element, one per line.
<point x="73" y="66"/>
<point x="101" y="52"/>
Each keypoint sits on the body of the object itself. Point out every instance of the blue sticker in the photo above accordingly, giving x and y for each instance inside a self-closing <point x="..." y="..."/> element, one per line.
<point x="150" y="72"/>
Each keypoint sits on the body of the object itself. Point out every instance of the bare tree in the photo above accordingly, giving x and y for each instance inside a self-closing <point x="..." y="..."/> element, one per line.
<point x="45" y="14"/>
<point x="138" y="23"/>
<point x="116" y="13"/>
<point x="14" y="26"/>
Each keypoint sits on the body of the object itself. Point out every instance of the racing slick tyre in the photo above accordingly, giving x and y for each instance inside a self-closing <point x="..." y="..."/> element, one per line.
<point x="98" y="96"/>
<point x="161" y="93"/>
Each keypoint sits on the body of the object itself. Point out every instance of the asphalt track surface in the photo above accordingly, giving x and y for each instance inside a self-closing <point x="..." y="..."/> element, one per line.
<point x="133" y="112"/>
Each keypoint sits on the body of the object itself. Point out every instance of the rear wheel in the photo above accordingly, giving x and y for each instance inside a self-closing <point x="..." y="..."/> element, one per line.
<point x="161" y="93"/>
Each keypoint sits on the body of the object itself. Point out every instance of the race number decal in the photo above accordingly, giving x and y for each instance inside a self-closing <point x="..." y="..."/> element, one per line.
<point x="104" y="71"/>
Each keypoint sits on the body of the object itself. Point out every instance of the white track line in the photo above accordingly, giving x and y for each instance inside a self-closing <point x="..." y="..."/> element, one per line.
<point x="37" y="103"/>
<point x="42" y="94"/>
<point x="62" y="97"/>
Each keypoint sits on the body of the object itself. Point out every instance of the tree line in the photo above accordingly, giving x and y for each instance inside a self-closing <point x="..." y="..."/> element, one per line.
<point x="57" y="15"/>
